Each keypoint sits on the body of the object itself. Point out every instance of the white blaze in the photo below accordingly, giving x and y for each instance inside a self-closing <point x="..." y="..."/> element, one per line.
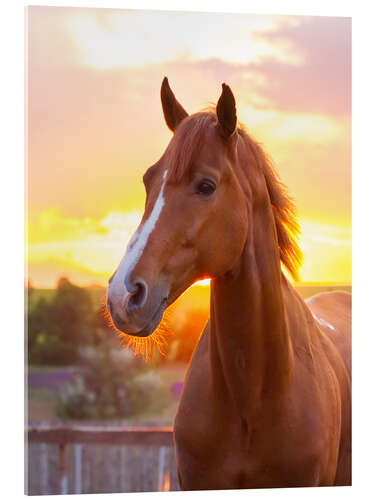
<point x="137" y="244"/>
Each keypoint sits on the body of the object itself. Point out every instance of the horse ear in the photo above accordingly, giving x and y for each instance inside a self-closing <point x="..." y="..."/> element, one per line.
<point x="226" y="112"/>
<point x="174" y="113"/>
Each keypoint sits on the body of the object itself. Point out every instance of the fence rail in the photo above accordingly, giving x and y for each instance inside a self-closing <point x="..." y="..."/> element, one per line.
<point x="142" y="436"/>
<point x="157" y="471"/>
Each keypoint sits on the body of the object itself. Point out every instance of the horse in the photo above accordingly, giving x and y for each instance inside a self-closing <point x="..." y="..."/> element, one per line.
<point x="266" y="401"/>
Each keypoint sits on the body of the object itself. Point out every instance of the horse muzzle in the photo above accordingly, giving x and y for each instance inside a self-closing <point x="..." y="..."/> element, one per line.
<point x="136" y="309"/>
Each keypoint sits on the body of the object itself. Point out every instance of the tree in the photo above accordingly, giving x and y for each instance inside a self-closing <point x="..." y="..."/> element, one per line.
<point x="56" y="328"/>
<point x="71" y="313"/>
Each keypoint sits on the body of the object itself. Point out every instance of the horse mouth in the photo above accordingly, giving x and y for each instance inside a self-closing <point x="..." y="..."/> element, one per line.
<point x="153" y="323"/>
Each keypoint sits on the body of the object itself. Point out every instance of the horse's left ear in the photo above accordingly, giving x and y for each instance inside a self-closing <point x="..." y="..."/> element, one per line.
<point x="226" y="112"/>
<point x="174" y="113"/>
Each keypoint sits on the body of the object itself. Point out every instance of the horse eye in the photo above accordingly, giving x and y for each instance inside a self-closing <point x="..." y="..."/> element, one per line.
<point x="205" y="187"/>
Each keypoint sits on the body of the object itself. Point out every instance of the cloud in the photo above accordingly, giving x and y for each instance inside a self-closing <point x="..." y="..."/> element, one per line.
<point x="116" y="39"/>
<point x="327" y="251"/>
<point x="322" y="81"/>
<point x="94" y="245"/>
<point x="89" y="250"/>
<point x="92" y="134"/>
<point x="47" y="272"/>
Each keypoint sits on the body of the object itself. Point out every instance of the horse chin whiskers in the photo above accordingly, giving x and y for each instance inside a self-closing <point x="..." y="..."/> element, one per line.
<point x="147" y="346"/>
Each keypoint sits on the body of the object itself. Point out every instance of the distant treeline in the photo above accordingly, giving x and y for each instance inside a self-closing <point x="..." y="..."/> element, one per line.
<point x="61" y="321"/>
<point x="58" y="325"/>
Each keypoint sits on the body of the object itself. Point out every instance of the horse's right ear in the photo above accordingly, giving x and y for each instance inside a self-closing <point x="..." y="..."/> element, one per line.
<point x="174" y="113"/>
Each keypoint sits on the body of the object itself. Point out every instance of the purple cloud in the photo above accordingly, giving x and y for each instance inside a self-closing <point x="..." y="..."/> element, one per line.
<point x="322" y="83"/>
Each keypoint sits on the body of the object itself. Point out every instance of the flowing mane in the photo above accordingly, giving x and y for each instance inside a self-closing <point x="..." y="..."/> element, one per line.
<point x="184" y="149"/>
<point x="284" y="210"/>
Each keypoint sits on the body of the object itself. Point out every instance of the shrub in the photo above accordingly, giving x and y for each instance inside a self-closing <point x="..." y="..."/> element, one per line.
<point x="113" y="384"/>
<point x="58" y="327"/>
<point x="48" y="349"/>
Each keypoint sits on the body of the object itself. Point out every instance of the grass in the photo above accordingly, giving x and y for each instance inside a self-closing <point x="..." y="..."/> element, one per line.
<point x="42" y="401"/>
<point x="41" y="394"/>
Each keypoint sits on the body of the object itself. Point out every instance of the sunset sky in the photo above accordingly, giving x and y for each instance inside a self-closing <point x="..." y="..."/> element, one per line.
<point x="95" y="124"/>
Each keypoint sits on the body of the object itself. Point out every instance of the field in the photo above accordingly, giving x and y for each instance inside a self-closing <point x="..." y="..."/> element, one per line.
<point x="42" y="395"/>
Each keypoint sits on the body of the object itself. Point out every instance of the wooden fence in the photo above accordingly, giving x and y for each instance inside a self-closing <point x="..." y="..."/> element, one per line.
<point x="85" y="459"/>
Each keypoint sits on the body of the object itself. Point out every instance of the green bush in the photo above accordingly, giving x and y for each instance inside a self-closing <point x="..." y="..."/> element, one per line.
<point x="114" y="384"/>
<point x="48" y="349"/>
<point x="56" y="328"/>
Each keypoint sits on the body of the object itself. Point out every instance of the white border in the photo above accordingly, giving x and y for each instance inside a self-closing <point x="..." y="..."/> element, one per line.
<point x="12" y="51"/>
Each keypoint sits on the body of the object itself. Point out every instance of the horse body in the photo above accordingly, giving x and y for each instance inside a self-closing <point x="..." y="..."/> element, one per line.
<point x="300" y="436"/>
<point x="267" y="397"/>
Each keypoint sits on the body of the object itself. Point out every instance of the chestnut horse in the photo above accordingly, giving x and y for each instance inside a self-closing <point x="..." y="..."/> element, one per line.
<point x="267" y="397"/>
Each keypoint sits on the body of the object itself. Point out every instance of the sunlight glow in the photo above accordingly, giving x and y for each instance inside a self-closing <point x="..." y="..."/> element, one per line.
<point x="327" y="251"/>
<point x="94" y="245"/>
<point x="105" y="40"/>
<point x="205" y="282"/>
<point x="273" y="125"/>
<point x="96" y="124"/>
<point x="90" y="249"/>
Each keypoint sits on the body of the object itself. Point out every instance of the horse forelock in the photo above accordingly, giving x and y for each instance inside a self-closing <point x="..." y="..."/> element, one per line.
<point x="187" y="143"/>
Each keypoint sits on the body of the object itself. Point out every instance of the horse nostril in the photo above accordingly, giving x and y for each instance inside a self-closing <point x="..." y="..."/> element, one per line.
<point x="138" y="297"/>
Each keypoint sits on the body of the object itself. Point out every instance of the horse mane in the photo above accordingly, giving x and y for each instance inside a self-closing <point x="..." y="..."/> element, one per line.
<point x="283" y="207"/>
<point x="184" y="149"/>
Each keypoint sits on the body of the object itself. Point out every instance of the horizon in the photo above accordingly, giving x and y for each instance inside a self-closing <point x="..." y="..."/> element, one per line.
<point x="104" y="287"/>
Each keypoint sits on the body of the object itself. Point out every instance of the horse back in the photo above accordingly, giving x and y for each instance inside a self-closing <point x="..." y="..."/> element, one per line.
<point x="333" y="313"/>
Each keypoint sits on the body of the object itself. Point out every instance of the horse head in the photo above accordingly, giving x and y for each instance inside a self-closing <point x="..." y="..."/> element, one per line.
<point x="195" y="220"/>
<point x="211" y="185"/>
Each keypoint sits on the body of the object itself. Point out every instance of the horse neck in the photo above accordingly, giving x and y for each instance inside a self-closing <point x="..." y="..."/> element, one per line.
<point x="250" y="348"/>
